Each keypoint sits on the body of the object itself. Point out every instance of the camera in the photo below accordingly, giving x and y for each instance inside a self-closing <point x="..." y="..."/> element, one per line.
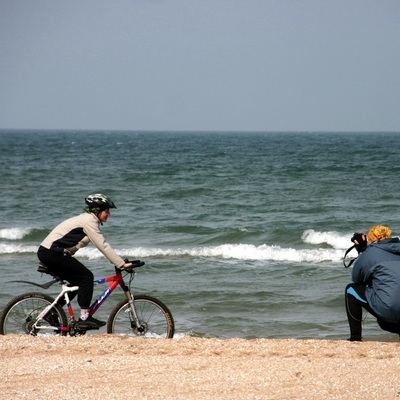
<point x="361" y="239"/>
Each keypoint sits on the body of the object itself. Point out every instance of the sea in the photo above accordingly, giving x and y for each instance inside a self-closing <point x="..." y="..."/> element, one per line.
<point x="242" y="233"/>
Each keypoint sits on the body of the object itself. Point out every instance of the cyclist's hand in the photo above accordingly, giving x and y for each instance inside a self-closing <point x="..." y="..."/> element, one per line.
<point x="127" y="266"/>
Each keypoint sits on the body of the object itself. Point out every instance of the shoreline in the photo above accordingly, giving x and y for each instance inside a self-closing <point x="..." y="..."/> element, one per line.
<point x="113" y="367"/>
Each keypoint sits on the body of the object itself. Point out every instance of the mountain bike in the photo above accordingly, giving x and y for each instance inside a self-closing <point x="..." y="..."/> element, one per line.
<point x="36" y="313"/>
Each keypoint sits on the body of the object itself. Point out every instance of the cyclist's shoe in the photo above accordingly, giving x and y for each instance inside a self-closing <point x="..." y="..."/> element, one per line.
<point x="89" y="323"/>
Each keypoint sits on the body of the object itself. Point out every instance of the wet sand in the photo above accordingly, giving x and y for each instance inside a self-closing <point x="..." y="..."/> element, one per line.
<point x="110" y="367"/>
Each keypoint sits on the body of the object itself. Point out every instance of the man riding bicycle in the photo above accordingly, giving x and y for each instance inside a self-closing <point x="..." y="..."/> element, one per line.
<point x="57" y="250"/>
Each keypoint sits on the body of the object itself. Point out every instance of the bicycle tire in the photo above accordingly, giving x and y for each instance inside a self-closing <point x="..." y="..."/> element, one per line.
<point x="21" y="310"/>
<point x="156" y="320"/>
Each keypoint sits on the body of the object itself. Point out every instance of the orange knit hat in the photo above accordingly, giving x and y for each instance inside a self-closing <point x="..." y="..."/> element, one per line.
<point x="379" y="232"/>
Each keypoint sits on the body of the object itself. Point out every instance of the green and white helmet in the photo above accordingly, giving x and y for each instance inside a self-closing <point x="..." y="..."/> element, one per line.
<point x="100" y="201"/>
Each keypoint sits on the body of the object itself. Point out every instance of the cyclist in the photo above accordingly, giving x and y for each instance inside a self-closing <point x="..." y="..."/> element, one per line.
<point x="57" y="250"/>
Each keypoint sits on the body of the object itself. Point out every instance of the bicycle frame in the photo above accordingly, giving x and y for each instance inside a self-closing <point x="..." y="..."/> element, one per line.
<point x="116" y="280"/>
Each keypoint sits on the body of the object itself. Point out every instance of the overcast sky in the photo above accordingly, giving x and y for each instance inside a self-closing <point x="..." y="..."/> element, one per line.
<point x="241" y="65"/>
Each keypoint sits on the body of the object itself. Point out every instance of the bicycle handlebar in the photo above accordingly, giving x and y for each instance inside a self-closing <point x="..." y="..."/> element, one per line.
<point x="135" y="264"/>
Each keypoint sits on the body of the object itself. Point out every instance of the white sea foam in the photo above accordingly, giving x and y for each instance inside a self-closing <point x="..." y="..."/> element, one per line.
<point x="334" y="239"/>
<point x="244" y="252"/>
<point x="14" y="233"/>
<point x="336" y="244"/>
<point x="16" y="248"/>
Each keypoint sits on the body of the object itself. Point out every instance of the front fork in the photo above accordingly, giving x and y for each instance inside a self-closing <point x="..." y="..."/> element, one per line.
<point x="135" y="319"/>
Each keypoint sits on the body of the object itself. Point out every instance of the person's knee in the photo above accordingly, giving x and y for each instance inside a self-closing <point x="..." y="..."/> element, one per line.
<point x="89" y="275"/>
<point x="389" y="326"/>
<point x="349" y="290"/>
<point x="346" y="291"/>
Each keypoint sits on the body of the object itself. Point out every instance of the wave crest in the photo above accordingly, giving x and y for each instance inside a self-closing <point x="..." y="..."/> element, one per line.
<point x="322" y="247"/>
<point x="14" y="233"/>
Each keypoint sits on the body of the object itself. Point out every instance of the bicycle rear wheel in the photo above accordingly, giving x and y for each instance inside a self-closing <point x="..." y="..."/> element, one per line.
<point x="21" y="312"/>
<point x="155" y="319"/>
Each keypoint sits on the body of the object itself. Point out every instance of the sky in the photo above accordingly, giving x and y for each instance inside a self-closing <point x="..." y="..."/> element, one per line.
<point x="200" y="65"/>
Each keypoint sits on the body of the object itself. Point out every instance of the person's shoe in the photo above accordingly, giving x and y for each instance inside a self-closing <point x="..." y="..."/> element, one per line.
<point x="350" y="339"/>
<point x="89" y="323"/>
<point x="97" y="321"/>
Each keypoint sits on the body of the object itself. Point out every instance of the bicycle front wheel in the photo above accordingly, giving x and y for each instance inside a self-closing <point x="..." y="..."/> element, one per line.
<point x="21" y="312"/>
<point x="155" y="319"/>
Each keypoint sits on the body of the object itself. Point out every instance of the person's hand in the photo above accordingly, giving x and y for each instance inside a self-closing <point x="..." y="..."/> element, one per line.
<point x="127" y="266"/>
<point x="360" y="241"/>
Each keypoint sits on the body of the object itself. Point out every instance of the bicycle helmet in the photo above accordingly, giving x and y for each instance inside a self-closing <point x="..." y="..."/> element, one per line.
<point x="99" y="201"/>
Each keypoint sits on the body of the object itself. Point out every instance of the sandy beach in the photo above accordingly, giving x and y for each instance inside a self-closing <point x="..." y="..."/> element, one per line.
<point x="109" y="367"/>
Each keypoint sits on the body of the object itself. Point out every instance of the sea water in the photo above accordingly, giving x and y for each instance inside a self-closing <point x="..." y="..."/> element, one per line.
<point x="242" y="233"/>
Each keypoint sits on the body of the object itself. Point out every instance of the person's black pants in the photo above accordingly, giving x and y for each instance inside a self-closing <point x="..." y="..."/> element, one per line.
<point x="70" y="269"/>
<point x="355" y="302"/>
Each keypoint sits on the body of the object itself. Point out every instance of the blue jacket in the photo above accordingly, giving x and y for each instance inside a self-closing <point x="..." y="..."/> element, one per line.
<point x="378" y="267"/>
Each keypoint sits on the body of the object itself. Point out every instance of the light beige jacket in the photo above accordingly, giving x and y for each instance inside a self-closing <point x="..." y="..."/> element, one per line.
<point x="77" y="232"/>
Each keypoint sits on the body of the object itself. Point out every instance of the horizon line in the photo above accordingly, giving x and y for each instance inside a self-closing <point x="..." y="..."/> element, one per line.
<point x="186" y="130"/>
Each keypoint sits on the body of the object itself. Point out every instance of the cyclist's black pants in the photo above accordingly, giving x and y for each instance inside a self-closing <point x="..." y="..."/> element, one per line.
<point x="355" y="302"/>
<point x="71" y="270"/>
